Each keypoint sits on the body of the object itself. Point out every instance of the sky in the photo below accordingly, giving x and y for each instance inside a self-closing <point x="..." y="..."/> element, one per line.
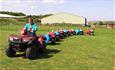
<point x="91" y="9"/>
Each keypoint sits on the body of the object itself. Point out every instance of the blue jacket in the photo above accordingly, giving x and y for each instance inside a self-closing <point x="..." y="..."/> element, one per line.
<point x="31" y="29"/>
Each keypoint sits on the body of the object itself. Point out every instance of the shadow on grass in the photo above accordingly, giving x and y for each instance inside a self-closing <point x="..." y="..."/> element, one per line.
<point x="61" y="40"/>
<point x="47" y="54"/>
<point x="57" y="43"/>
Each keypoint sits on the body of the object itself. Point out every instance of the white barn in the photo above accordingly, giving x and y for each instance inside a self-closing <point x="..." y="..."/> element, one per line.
<point x="64" y="18"/>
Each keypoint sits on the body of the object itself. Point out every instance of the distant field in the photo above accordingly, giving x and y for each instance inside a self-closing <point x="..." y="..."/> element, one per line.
<point x="72" y="53"/>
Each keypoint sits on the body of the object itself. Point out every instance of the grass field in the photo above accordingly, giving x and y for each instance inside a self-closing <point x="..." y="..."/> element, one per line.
<point x="72" y="53"/>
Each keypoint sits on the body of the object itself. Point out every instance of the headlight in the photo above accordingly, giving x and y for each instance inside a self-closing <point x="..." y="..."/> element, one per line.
<point x="91" y="30"/>
<point x="11" y="39"/>
<point x="25" y="40"/>
<point x="72" y="30"/>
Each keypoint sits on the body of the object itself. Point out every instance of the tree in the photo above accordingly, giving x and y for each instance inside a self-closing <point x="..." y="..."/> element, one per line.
<point x="12" y="13"/>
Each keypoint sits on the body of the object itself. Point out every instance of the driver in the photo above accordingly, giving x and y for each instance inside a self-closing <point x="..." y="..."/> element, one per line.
<point x="31" y="27"/>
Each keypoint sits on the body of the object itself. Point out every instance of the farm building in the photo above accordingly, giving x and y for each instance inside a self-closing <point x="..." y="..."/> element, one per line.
<point x="6" y="16"/>
<point x="10" y="16"/>
<point x="64" y="18"/>
<point x="111" y="25"/>
<point x="106" y="24"/>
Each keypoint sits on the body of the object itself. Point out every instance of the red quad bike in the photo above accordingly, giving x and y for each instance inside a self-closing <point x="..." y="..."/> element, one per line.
<point x="52" y="37"/>
<point x="62" y="34"/>
<point x="89" y="32"/>
<point x="57" y="35"/>
<point x="42" y="42"/>
<point x="25" y="43"/>
<point x="71" y="32"/>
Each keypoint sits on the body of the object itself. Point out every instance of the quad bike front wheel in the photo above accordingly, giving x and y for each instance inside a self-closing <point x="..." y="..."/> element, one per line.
<point x="31" y="52"/>
<point x="81" y="33"/>
<point x="74" y="33"/>
<point x="57" y="38"/>
<point x="9" y="51"/>
<point x="52" y="41"/>
<point x="92" y="34"/>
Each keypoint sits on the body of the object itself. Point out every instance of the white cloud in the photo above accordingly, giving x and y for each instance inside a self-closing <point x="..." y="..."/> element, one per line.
<point x="53" y="1"/>
<point x="28" y="3"/>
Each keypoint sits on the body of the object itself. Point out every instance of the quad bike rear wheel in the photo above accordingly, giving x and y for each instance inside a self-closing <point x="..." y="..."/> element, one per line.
<point x="42" y="47"/>
<point x="81" y="33"/>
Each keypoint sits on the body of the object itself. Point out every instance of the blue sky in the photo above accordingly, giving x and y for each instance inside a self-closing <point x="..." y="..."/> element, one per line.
<point x="91" y="9"/>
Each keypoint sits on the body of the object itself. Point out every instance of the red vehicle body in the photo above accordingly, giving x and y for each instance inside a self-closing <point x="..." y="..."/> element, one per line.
<point x="25" y="43"/>
<point x="52" y="37"/>
<point x="89" y="32"/>
<point x="71" y="32"/>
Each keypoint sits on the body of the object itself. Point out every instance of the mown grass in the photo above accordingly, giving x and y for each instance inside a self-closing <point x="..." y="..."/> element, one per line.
<point x="72" y="53"/>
